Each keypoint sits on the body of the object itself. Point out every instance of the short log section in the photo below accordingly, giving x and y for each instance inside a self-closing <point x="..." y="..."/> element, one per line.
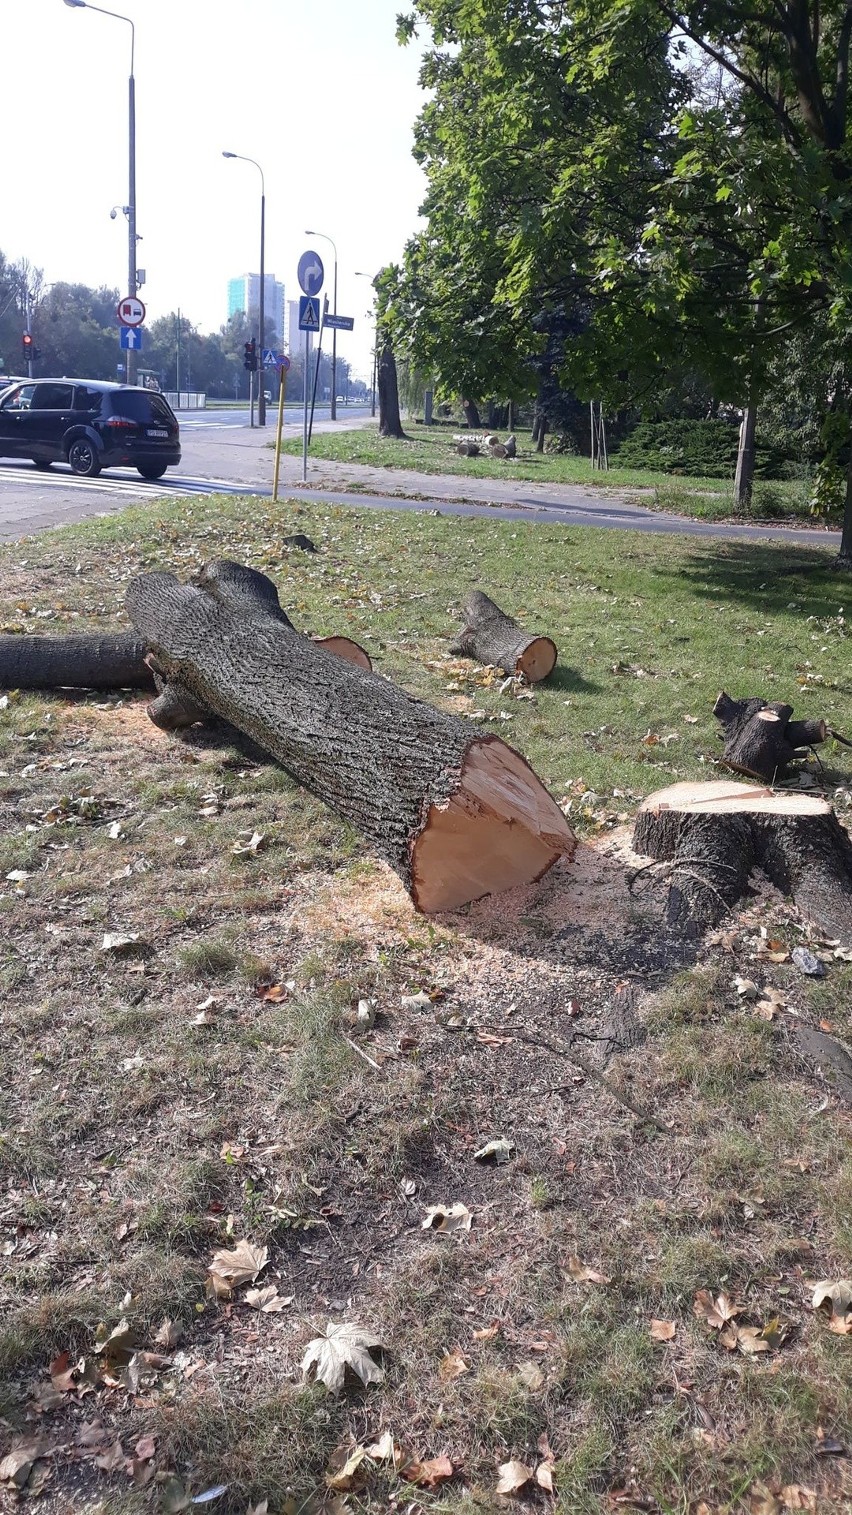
<point x="491" y="636"/>
<point x="456" y="814"/>
<point x="74" y="662"/>
<point x="714" y="834"/>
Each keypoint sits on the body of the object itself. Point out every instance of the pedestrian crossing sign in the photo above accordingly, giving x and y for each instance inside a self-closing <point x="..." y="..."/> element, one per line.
<point x="309" y="316"/>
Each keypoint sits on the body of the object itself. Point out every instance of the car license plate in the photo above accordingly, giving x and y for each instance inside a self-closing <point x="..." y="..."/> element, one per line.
<point x="154" y="432"/>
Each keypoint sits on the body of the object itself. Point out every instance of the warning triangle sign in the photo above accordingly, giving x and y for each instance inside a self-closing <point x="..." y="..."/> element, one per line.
<point x="309" y="314"/>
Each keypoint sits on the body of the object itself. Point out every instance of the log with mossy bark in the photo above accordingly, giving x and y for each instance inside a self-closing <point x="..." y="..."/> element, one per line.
<point x="456" y="814"/>
<point x="762" y="739"/>
<point x="493" y="637"/>
<point x="713" y="834"/>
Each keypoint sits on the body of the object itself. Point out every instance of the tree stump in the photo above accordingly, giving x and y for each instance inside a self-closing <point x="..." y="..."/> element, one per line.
<point x="491" y="636"/>
<point x="497" y="450"/>
<point x="760" y="738"/>
<point x="511" y="446"/>
<point x="456" y="814"/>
<point x="714" y="834"/>
<point x="79" y="661"/>
<point x="468" y="449"/>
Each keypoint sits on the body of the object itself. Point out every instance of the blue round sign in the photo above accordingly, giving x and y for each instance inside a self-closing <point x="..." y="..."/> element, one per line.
<point x="311" y="273"/>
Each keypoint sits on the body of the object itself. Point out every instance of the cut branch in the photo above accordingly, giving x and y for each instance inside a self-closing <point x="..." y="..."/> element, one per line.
<point x="490" y="636"/>
<point x="74" y="662"/>
<point x="761" y="740"/>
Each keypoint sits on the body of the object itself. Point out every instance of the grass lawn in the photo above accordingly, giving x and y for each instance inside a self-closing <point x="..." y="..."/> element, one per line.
<point x="208" y="1084"/>
<point x="430" y="449"/>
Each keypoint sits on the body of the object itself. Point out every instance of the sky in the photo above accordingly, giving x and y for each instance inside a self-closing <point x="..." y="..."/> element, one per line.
<point x="317" y="91"/>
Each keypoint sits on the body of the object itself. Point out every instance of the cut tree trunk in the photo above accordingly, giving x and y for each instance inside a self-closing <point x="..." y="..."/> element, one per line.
<point x="491" y="636"/>
<point x="471" y="414"/>
<point x="74" y="662"/>
<point x="760" y="738"/>
<point x="390" y="423"/>
<point x="744" y="476"/>
<point x="714" y="834"/>
<point x="456" y="814"/>
<point x="468" y="449"/>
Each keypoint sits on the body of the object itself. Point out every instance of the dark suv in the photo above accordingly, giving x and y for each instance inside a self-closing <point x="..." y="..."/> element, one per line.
<point x="89" y="425"/>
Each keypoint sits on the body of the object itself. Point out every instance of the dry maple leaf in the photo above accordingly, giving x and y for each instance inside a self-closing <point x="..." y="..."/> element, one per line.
<point x="544" y="1471"/>
<point x="511" y="1476"/>
<point x="452" y="1365"/>
<point x="837" y="1295"/>
<point x="241" y="1265"/>
<point x="267" y="1300"/>
<point x="717" y="1312"/>
<point x="447" y="1218"/>
<point x="16" y="1466"/>
<point x="662" y="1330"/>
<point x="583" y="1275"/>
<point x="345" y="1471"/>
<point x="386" y="1450"/>
<point x="751" y="1340"/>
<point x="344" y="1345"/>
<point x="427" y="1475"/>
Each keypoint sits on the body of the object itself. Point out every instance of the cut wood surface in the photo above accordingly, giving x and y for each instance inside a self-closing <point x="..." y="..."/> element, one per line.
<point x="761" y="739"/>
<point x="492" y="636"/>
<point x="714" y="834"/>
<point x="79" y="661"/>
<point x="456" y="814"/>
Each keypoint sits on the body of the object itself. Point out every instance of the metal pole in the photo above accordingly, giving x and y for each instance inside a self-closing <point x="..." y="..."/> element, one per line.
<point x="177" y="356"/>
<point x="334" y="349"/>
<point x="375" y="363"/>
<point x="131" y="212"/>
<point x="282" y="384"/>
<point x="317" y="367"/>
<point x="28" y="323"/>
<point x="261" y="398"/>
<point x="251" y="398"/>
<point x="305" y="416"/>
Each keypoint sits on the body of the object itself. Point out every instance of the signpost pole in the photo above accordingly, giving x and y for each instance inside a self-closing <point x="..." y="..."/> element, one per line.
<point x="251" y="398"/>
<point x="282" y="385"/>
<point x="317" y="367"/>
<point x="305" y="416"/>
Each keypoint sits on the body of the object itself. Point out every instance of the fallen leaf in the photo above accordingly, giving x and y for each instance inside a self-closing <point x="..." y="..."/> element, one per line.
<point x="267" y="1300"/>
<point x="838" y="1296"/>
<point x="62" y="1373"/>
<point x="241" y="1265"/>
<point x="511" y="1476"/>
<point x="544" y="1471"/>
<point x="795" y="1496"/>
<point x="746" y="987"/>
<point x="273" y="993"/>
<point x="113" y="1460"/>
<point x="203" y="1018"/>
<point x="344" y="1345"/>
<point x="386" y="1450"/>
<point x="210" y="1494"/>
<point x="767" y="1009"/>
<point x="254" y="843"/>
<point x="419" y="1001"/>
<point x="487" y="1333"/>
<point x="345" y="1475"/>
<point x="447" y="1218"/>
<point x="717" y="1312"/>
<point x="583" y="1275"/>
<point x="751" y="1340"/>
<point x="168" y="1335"/>
<point x="16" y="1466"/>
<point x="145" y="1448"/>
<point x="761" y="1501"/>
<point x="428" y="1475"/>
<point x="530" y="1374"/>
<point x="498" y="1150"/>
<point x="662" y="1330"/>
<point x="452" y="1365"/>
<point x="119" y="941"/>
<point x="116" y="1346"/>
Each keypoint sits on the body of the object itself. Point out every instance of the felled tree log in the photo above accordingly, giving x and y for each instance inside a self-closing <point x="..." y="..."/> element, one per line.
<point x="79" y="661"/>
<point x="491" y="636"/>
<point x="468" y="449"/>
<point x="714" y="834"/>
<point x="761" y="740"/>
<point x="456" y="814"/>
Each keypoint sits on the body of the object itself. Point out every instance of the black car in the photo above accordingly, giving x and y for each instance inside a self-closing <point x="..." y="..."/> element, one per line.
<point x="89" y="425"/>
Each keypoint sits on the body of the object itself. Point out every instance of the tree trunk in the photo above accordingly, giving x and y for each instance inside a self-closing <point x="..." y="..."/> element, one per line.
<point x="713" y="834"/>
<point x="744" y="477"/>
<point x="491" y="636"/>
<point x="390" y="424"/>
<point x="542" y="432"/>
<point x="74" y="662"/>
<point x="844" y="557"/>
<point x="456" y="814"/>
<point x="510" y="415"/>
<point x="760" y="739"/>
<point x="471" y="415"/>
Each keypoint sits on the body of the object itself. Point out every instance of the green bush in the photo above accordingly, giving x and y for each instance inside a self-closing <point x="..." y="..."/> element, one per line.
<point x="706" y="449"/>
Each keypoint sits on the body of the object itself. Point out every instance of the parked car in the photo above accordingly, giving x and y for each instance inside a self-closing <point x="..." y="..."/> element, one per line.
<point x="89" y="425"/>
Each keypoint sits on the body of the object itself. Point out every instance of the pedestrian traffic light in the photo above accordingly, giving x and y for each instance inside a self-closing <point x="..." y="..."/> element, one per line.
<point x="27" y="346"/>
<point x="250" y="359"/>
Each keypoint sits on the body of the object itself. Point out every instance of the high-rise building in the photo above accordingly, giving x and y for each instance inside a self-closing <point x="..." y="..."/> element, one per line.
<point x="292" y="335"/>
<point x="244" y="294"/>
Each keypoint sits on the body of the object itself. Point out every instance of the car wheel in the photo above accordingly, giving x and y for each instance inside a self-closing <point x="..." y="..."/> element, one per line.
<point x="40" y="464"/>
<point x="152" y="470"/>
<point x="83" y="457"/>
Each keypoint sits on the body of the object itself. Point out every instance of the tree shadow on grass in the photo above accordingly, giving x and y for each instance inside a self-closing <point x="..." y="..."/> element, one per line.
<point x="764" y="576"/>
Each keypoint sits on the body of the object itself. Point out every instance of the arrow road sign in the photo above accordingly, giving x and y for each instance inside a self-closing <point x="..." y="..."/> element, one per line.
<point x="311" y="273"/>
<point x="340" y="323"/>
<point x="309" y="313"/>
<point x="130" y="338"/>
<point x="130" y="311"/>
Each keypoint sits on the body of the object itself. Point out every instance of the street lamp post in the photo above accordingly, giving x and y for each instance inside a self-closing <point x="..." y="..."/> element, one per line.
<point x="261" y="394"/>
<point x="326" y="238"/>
<point x="132" y="284"/>
<point x="372" y="278"/>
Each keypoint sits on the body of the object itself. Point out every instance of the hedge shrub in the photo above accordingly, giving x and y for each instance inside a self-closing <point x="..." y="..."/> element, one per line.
<point x="703" y="448"/>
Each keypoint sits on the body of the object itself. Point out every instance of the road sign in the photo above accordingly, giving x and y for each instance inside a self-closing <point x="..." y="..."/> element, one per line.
<point x="283" y="361"/>
<point x="308" y="313"/>
<point x="130" y="338"/>
<point x="311" y="273"/>
<point x="130" y="311"/>
<point x="340" y="323"/>
<point x="270" y="358"/>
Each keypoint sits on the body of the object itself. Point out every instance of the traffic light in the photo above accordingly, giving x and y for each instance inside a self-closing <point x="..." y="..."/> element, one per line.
<point x="27" y="348"/>
<point x="250" y="359"/>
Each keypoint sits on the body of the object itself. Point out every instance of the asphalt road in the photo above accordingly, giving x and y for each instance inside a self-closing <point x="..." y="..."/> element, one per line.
<point x="222" y="454"/>
<point x="219" y="420"/>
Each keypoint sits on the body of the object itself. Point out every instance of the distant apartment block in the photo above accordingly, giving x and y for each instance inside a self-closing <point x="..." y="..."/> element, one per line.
<point x="293" y="337"/>
<point x="244" y="294"/>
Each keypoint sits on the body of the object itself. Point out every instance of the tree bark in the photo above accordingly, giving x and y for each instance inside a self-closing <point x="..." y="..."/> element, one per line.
<point x="744" y="476"/>
<point x="455" y="814"/>
<point x="471" y="415"/>
<point x="760" y="739"/>
<point x="491" y="636"/>
<point x="713" y="834"/>
<point x="390" y="424"/>
<point x="844" y="557"/>
<point x="74" y="662"/>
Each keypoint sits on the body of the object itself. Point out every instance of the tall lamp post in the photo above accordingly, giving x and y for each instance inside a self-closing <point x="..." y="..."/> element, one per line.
<point x="130" y="210"/>
<point x="372" y="278"/>
<point x="261" y="394"/>
<point x="326" y="238"/>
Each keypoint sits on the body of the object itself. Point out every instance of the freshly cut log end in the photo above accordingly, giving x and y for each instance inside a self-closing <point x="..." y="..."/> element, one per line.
<point x="713" y="834"/>
<point x="492" y="636"/>
<point x="499" y="828"/>
<point x="78" y="661"/>
<point x="344" y="647"/>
